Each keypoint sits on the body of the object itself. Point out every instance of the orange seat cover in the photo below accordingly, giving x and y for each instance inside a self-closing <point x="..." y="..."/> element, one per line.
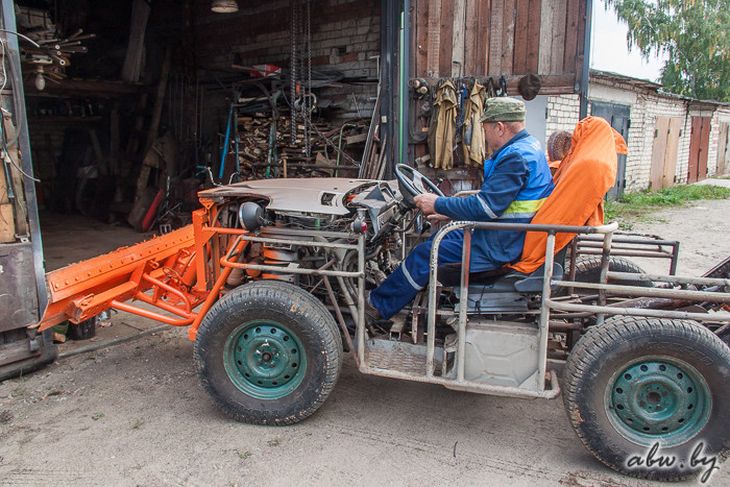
<point x="584" y="177"/>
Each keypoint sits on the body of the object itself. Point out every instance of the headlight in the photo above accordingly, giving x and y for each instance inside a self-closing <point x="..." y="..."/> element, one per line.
<point x="250" y="215"/>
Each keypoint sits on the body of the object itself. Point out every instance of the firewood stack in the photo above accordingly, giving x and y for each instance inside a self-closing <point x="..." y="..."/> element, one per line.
<point x="259" y="158"/>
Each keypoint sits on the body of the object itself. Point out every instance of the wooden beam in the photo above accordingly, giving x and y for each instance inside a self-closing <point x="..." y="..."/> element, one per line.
<point x="495" y="39"/>
<point x="457" y="42"/>
<point x="508" y="35"/>
<point x="522" y="22"/>
<point x="546" y="38"/>
<point x="472" y="33"/>
<point x="433" y="38"/>
<point x="558" y="38"/>
<point x="484" y="26"/>
<point x="533" y="36"/>
<point x="571" y="36"/>
<point x="447" y="28"/>
<point x="421" y="36"/>
<point x="21" y="209"/>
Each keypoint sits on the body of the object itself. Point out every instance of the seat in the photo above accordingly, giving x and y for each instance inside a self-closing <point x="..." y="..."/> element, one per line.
<point x="503" y="279"/>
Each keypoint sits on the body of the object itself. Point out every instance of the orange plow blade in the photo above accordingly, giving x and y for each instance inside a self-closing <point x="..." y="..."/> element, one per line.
<point x="162" y="265"/>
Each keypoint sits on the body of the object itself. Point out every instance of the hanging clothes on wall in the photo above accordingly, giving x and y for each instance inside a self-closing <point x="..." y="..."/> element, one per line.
<point x="473" y="143"/>
<point x="443" y="126"/>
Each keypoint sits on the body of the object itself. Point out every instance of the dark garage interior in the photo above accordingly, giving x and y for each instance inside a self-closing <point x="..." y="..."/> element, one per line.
<point x="117" y="113"/>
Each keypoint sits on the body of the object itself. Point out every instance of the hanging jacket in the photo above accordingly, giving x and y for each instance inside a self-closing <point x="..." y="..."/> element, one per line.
<point x="517" y="181"/>
<point x="443" y="127"/>
<point x="584" y="177"/>
<point x="473" y="143"/>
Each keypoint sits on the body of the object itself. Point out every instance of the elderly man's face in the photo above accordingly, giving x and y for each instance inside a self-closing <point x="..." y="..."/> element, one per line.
<point x="494" y="134"/>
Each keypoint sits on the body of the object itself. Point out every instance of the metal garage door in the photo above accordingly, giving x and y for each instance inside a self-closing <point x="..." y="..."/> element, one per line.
<point x="699" y="142"/>
<point x="618" y="117"/>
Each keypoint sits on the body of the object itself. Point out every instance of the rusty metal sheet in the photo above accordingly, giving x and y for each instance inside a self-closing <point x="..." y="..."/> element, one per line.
<point x="18" y="296"/>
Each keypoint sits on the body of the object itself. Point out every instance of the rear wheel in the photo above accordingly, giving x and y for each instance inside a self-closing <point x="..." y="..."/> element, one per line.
<point x="588" y="269"/>
<point x="636" y="383"/>
<point x="268" y="353"/>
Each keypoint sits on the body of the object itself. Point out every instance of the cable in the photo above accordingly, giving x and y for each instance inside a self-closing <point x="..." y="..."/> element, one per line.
<point x="5" y="144"/>
<point x="23" y="36"/>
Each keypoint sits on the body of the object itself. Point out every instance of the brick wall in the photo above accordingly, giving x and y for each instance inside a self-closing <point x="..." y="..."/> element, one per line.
<point x="648" y="108"/>
<point x="645" y="106"/>
<point x="345" y="38"/>
<point x="562" y="113"/>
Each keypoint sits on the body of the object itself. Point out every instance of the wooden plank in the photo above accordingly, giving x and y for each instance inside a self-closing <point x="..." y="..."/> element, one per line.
<point x="558" y="40"/>
<point x="546" y="38"/>
<point x="457" y="39"/>
<point x="671" y="152"/>
<point x="421" y="36"/>
<point x="21" y="210"/>
<point x="471" y="34"/>
<point x="571" y="36"/>
<point x="484" y="26"/>
<point x="495" y="39"/>
<point x="508" y="35"/>
<point x="694" y="150"/>
<point x="7" y="223"/>
<point x="447" y="31"/>
<point x="580" y="56"/>
<point x="658" y="153"/>
<point x="723" y="147"/>
<point x="131" y="70"/>
<point x="533" y="36"/>
<point x="434" y="38"/>
<point x="522" y="22"/>
<point x="704" y="148"/>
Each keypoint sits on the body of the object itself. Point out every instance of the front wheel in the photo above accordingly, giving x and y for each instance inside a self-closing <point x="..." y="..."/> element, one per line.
<point x="641" y="389"/>
<point x="268" y="353"/>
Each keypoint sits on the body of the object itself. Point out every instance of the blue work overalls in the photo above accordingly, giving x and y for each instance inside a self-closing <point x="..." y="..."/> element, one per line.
<point x="517" y="181"/>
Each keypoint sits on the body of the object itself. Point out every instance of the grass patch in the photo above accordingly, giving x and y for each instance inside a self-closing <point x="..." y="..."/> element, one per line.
<point x="633" y="207"/>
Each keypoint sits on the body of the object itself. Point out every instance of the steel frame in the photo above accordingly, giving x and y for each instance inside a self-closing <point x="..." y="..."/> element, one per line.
<point x="180" y="276"/>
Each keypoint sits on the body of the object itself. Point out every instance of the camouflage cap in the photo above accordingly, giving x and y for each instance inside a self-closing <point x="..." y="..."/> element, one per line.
<point x="503" y="109"/>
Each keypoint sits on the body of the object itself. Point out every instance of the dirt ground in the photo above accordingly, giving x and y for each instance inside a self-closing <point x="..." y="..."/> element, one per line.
<point x="134" y="414"/>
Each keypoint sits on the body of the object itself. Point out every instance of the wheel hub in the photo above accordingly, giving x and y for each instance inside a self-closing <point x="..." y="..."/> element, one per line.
<point x="659" y="399"/>
<point x="264" y="359"/>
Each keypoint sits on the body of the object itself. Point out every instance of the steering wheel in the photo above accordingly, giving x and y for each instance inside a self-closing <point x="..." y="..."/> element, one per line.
<point x="412" y="183"/>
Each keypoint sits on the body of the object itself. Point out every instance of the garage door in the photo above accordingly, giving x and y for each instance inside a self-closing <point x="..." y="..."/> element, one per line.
<point x="664" y="152"/>
<point x="698" y="144"/>
<point x="618" y="117"/>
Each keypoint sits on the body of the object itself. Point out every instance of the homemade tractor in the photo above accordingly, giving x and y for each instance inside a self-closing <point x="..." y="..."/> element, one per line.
<point x="271" y="279"/>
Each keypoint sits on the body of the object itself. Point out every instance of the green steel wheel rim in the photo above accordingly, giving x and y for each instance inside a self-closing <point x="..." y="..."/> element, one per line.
<point x="264" y="359"/>
<point x="658" y="399"/>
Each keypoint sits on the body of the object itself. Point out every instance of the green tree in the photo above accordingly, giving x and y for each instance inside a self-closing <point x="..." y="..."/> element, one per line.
<point x="695" y="36"/>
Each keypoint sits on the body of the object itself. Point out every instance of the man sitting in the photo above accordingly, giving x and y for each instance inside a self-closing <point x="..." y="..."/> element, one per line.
<point x="517" y="181"/>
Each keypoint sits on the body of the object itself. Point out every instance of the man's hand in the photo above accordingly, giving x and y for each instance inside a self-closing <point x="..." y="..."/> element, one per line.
<point x="425" y="202"/>
<point x="437" y="218"/>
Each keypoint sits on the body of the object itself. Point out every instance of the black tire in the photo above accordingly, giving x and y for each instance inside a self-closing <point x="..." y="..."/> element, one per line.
<point x="305" y="319"/>
<point x="604" y="353"/>
<point x="588" y="269"/>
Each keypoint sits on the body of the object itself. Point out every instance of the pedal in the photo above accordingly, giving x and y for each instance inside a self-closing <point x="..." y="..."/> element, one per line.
<point x="396" y="329"/>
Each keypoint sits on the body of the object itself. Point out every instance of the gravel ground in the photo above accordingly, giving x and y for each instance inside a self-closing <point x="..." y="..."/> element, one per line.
<point x="134" y="414"/>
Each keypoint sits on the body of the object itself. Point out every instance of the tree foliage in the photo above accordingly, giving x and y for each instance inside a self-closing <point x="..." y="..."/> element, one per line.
<point x="695" y="36"/>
